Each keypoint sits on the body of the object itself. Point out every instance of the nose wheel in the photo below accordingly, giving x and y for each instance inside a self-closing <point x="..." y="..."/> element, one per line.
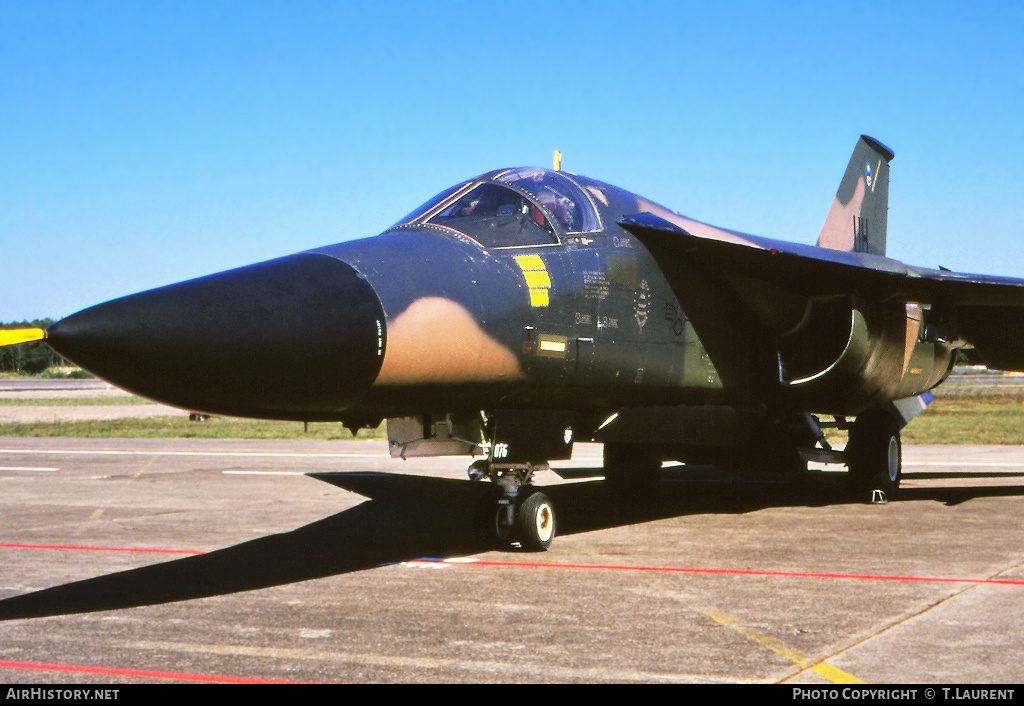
<point x="523" y="514"/>
<point x="534" y="524"/>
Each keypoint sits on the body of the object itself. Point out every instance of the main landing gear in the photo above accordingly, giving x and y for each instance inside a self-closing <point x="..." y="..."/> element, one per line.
<point x="874" y="455"/>
<point x="523" y="514"/>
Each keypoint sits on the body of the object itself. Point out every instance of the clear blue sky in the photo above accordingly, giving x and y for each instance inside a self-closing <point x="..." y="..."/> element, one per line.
<point x="142" y="143"/>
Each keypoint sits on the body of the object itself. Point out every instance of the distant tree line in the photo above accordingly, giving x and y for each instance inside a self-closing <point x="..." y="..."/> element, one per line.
<point x="30" y="358"/>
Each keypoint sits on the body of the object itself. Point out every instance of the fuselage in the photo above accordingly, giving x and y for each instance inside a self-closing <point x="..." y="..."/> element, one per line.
<point x="517" y="289"/>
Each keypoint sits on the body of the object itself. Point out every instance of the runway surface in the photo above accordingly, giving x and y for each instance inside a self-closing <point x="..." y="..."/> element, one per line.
<point x="195" y="561"/>
<point x="62" y="393"/>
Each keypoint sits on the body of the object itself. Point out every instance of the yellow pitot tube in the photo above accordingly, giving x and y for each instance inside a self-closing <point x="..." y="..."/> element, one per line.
<point x="20" y="335"/>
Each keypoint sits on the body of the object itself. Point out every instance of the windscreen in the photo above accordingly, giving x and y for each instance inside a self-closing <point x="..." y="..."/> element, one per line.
<point x="496" y="216"/>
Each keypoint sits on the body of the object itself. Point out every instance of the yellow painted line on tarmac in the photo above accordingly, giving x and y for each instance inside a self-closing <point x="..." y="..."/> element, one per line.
<point x="98" y="512"/>
<point x="836" y="675"/>
<point x="833" y="674"/>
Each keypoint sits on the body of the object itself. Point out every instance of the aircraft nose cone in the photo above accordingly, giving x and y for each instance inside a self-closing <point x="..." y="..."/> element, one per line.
<point x="300" y="337"/>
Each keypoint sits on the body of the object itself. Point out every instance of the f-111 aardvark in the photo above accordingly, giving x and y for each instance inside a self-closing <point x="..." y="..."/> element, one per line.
<point x="526" y="309"/>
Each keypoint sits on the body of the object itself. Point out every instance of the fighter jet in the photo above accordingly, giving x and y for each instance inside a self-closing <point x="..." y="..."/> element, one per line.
<point x="523" y="310"/>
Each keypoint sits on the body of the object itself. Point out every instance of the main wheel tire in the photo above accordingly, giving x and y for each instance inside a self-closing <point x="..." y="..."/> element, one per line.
<point x="535" y="522"/>
<point x="875" y="453"/>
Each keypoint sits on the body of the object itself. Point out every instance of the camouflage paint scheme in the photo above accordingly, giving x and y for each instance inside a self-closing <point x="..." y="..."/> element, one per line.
<point x="582" y="323"/>
<point x="570" y="309"/>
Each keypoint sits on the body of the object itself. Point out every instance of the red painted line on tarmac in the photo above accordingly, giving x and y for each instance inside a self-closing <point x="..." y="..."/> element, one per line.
<point x="143" y="673"/>
<point x="69" y="547"/>
<point x="742" y="572"/>
<point x="592" y="567"/>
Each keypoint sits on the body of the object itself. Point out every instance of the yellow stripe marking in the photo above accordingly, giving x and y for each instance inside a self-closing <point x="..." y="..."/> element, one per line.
<point x="833" y="674"/>
<point x="20" y="335"/>
<point x="538" y="297"/>
<point x="530" y="262"/>
<point x="536" y="279"/>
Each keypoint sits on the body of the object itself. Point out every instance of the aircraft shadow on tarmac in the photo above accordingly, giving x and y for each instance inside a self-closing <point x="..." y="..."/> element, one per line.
<point x="414" y="517"/>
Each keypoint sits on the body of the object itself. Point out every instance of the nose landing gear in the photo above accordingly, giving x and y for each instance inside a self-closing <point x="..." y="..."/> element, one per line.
<point x="523" y="515"/>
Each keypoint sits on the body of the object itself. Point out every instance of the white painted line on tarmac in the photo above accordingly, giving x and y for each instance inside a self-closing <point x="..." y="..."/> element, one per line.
<point x="983" y="464"/>
<point x="26" y="468"/>
<point x="246" y="454"/>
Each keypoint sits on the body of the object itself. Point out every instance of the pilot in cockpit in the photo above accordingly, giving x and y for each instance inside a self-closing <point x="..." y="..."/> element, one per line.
<point x="558" y="207"/>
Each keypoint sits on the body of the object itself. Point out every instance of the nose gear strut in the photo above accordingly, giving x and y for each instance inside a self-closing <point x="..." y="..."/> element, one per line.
<point x="523" y="514"/>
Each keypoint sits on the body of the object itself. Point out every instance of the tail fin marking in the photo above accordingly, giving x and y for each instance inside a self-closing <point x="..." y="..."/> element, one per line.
<point x="857" y="220"/>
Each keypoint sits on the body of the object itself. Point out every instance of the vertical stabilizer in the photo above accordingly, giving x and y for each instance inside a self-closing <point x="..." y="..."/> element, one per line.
<point x="859" y="212"/>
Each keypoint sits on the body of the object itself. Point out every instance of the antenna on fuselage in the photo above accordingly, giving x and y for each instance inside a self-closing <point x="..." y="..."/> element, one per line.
<point x="558" y="161"/>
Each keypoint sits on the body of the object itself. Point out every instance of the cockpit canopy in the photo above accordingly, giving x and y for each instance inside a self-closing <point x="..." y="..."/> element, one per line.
<point x="512" y="208"/>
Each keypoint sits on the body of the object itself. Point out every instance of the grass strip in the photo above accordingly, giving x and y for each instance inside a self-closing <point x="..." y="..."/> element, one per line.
<point x="182" y="428"/>
<point x="969" y="420"/>
<point x="988" y="414"/>
<point x="105" y="401"/>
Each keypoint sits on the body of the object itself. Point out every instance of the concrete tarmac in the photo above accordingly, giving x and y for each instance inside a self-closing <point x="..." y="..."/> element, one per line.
<point x="128" y="561"/>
